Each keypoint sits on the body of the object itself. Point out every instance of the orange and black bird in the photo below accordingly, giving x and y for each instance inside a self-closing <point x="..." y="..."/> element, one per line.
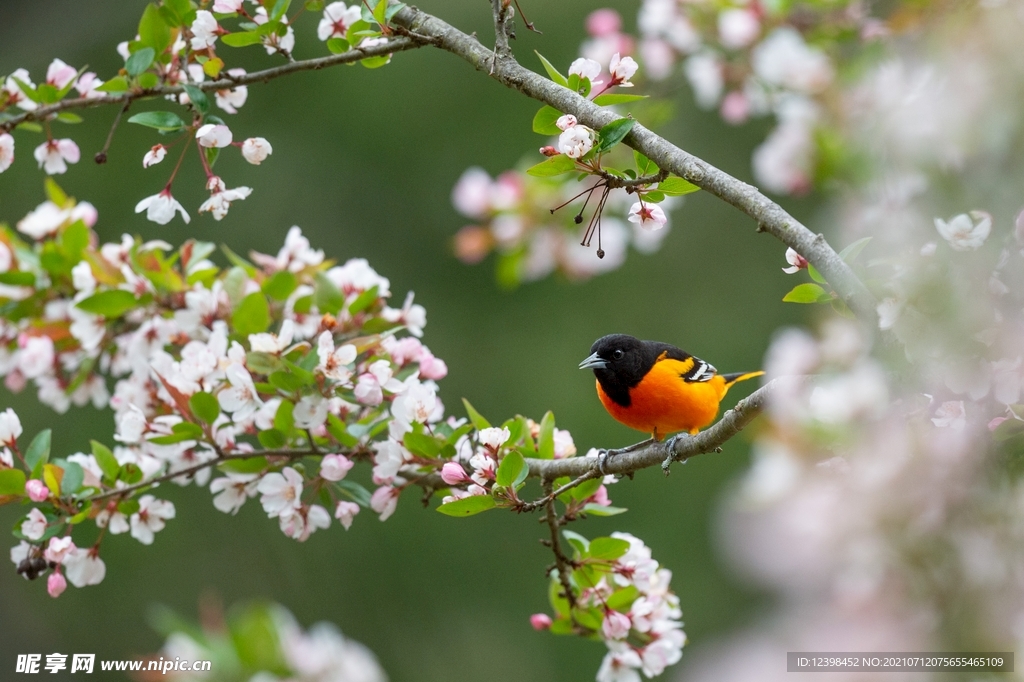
<point x="655" y="387"/>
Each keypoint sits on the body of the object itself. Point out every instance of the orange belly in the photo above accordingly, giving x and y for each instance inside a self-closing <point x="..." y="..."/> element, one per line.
<point x="663" y="402"/>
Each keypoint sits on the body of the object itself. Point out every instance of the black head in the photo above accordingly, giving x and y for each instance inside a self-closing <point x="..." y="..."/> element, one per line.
<point x="619" y="363"/>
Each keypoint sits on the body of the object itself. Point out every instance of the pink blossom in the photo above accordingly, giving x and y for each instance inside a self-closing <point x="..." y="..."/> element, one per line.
<point x="602" y="22"/>
<point x="576" y="141"/>
<point x="227" y="6"/>
<point x="433" y="368"/>
<point x="345" y="512"/>
<point x="648" y="216"/>
<point x="36" y="356"/>
<point x="34" y="525"/>
<point x="36" y="490"/>
<point x="493" y="437"/>
<point x="600" y="497"/>
<point x="214" y="135"/>
<point x="452" y="473"/>
<point x="541" y="621"/>
<point x="154" y="156"/>
<point x="255" y="150"/>
<point x="281" y="491"/>
<point x="59" y="74"/>
<point x="951" y="415"/>
<point x="150" y="518"/>
<point x="56" y="584"/>
<point x="795" y="260"/>
<point x="204" y="31"/>
<point x="621" y="70"/>
<point x="231" y="491"/>
<point x="15" y="94"/>
<point x="334" y="362"/>
<point x="337" y="19"/>
<point x="738" y="28"/>
<point x="84" y="567"/>
<point x="565" y="121"/>
<point x="160" y="207"/>
<point x="54" y="155"/>
<point x="232" y="99"/>
<point x="87" y="85"/>
<point x="6" y="151"/>
<point x="384" y="501"/>
<point x="335" y="467"/>
<point x="615" y="625"/>
<point x="994" y="424"/>
<point x="10" y="427"/>
<point x="735" y="108"/>
<point x="965" y="232"/>
<point x="586" y="68"/>
<point x="220" y="201"/>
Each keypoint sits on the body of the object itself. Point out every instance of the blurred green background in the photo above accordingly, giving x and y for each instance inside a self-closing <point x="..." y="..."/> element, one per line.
<point x="364" y="161"/>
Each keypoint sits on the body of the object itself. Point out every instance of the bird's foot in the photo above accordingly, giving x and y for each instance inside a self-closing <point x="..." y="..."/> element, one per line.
<point x="603" y="455"/>
<point x="670" y="446"/>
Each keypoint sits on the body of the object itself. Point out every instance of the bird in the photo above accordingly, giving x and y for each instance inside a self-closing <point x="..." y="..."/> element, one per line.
<point x="655" y="387"/>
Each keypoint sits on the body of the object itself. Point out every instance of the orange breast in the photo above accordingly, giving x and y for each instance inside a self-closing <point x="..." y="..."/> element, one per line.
<point x="663" y="402"/>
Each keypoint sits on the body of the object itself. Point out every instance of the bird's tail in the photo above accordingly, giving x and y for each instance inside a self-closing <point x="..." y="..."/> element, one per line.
<point x="731" y="379"/>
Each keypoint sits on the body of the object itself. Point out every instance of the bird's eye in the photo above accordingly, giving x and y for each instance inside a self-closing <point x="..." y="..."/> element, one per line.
<point x="618" y="354"/>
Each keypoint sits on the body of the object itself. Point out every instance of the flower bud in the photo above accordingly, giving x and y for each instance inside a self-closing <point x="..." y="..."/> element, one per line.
<point x="452" y="473"/>
<point x="56" y="584"/>
<point x="36" y="490"/>
<point x="540" y="621"/>
<point x="548" y="150"/>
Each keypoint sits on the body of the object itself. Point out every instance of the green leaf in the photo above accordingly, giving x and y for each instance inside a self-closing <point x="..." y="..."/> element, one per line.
<point x="284" y="418"/>
<point x="337" y="429"/>
<point x="422" y="444"/>
<point x="249" y="465"/>
<point x="356" y="492"/>
<point x="111" y="304"/>
<point x="271" y="439"/>
<point x="12" y="482"/>
<point x="621" y="600"/>
<point x="546" y="438"/>
<point x="644" y="166"/>
<point x="198" y="98"/>
<point x="585" y="489"/>
<point x="263" y="363"/>
<point x="675" y="186"/>
<point x="130" y="473"/>
<point x="552" y="166"/>
<point x="68" y="117"/>
<point x="153" y="30"/>
<point x="475" y="418"/>
<point x="254" y="635"/>
<point x="509" y="469"/>
<point x="115" y="84"/>
<point x="613" y="133"/>
<point x="363" y="300"/>
<point x="148" y="80"/>
<point x="54" y="192"/>
<point x="204" y="406"/>
<point x="188" y="429"/>
<point x="128" y="507"/>
<point x="378" y="12"/>
<point x="164" y="121"/>
<point x="338" y="45"/>
<point x="544" y="121"/>
<point x="252" y="315"/>
<point x="608" y="548"/>
<point x="105" y="458"/>
<point x="241" y="39"/>
<point x="599" y="510"/>
<point x="608" y="100"/>
<point x="853" y="250"/>
<point x="139" y="61"/>
<point x="552" y="71"/>
<point x="38" y="452"/>
<point x="280" y="7"/>
<point x="285" y="381"/>
<point x="581" y="544"/>
<point x="18" y="279"/>
<point x="73" y="477"/>
<point x="815" y="275"/>
<point x="326" y="296"/>
<point x="807" y="293"/>
<point x="468" y="506"/>
<point x="280" y="285"/>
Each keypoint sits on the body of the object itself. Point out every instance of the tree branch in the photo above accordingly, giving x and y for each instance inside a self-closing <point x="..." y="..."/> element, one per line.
<point x="663" y="453"/>
<point x="354" y="55"/>
<point x="770" y="217"/>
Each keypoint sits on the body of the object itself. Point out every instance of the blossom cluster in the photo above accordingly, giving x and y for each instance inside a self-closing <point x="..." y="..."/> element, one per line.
<point x="176" y="48"/>
<point x="318" y="654"/>
<point x="244" y="370"/>
<point x="621" y="595"/>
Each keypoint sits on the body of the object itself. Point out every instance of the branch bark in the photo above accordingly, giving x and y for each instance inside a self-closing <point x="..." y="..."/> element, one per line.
<point x="770" y="217"/>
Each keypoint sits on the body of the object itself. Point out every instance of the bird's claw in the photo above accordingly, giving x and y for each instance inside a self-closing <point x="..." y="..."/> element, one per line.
<point x="670" y="446"/>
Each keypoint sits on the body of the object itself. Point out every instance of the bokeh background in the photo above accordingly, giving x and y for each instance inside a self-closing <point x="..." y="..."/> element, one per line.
<point x="364" y="161"/>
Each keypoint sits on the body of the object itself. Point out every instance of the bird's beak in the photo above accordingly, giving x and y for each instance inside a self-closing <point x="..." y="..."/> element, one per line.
<point x="594" y="361"/>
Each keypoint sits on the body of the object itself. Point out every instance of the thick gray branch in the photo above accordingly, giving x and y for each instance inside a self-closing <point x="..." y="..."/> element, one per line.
<point x="770" y="217"/>
<point x="657" y="454"/>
